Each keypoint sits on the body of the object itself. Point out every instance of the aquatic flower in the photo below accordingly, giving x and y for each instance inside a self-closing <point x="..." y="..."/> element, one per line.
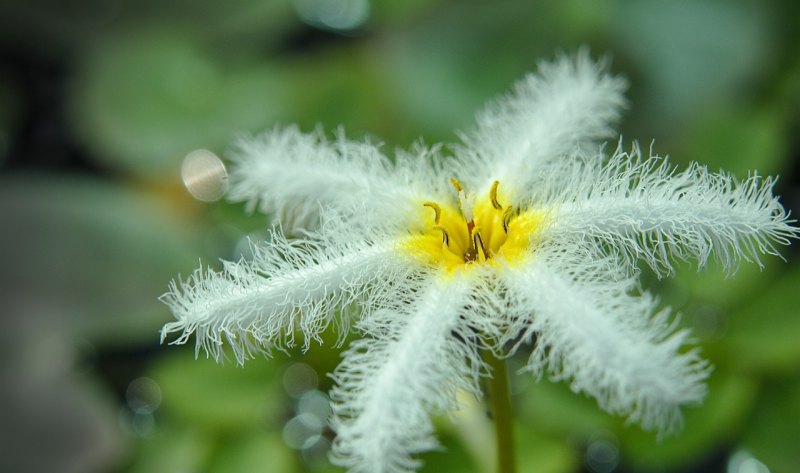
<point x="528" y="234"/>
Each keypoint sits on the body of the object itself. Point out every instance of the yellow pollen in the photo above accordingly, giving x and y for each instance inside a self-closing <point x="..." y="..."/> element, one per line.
<point x="479" y="231"/>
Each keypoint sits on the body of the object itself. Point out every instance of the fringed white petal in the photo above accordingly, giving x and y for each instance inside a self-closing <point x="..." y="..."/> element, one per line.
<point x="567" y="105"/>
<point x="416" y="359"/>
<point x="645" y="209"/>
<point x="591" y="330"/>
<point x="575" y="296"/>
<point x="288" y="286"/>
<point x="293" y="174"/>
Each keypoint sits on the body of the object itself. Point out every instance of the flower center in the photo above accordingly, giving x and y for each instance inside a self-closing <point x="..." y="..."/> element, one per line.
<point x="478" y="231"/>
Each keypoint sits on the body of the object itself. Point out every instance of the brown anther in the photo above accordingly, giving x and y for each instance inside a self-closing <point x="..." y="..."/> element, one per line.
<point x="477" y="242"/>
<point x="473" y="253"/>
<point x="493" y="195"/>
<point x="506" y="218"/>
<point x="445" y="236"/>
<point x="436" y="209"/>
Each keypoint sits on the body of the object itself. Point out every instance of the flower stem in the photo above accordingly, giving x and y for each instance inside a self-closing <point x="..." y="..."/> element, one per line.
<point x="500" y="400"/>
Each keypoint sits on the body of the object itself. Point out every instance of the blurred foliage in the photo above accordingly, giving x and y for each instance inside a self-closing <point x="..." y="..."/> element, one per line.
<point x="100" y="100"/>
<point x="163" y="86"/>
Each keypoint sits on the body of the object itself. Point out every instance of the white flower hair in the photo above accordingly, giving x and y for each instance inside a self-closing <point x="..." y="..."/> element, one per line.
<point x="530" y="233"/>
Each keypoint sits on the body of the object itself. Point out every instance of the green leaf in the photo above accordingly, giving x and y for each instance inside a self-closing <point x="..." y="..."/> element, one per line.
<point x="95" y="255"/>
<point x="223" y="398"/>
<point x="707" y="427"/>
<point x="390" y="12"/>
<point x="254" y="452"/>
<point x="763" y="334"/>
<point x="554" y="409"/>
<point x="774" y="429"/>
<point x="242" y="23"/>
<point x="453" y="458"/>
<point x="173" y="449"/>
<point x="739" y="141"/>
<point x="468" y="436"/>
<point x="143" y="101"/>
<point x="671" y="43"/>
<point x="713" y="286"/>
<point x="704" y="300"/>
<point x="543" y="454"/>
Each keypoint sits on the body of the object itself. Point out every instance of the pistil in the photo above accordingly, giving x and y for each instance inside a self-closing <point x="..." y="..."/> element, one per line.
<point x="471" y="254"/>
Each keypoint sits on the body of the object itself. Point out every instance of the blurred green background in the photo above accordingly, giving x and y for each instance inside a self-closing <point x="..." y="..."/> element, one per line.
<point x="101" y="99"/>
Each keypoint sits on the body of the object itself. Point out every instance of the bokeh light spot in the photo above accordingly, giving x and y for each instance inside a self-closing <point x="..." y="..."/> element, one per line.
<point x="303" y="431"/>
<point x="298" y="379"/>
<point x="204" y="175"/>
<point x="143" y="395"/>
<point x="602" y="453"/>
<point x="744" y="462"/>
<point x="315" y="402"/>
<point x="340" y="15"/>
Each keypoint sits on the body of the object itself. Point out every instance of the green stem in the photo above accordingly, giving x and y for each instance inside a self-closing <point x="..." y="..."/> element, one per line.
<point x="500" y="400"/>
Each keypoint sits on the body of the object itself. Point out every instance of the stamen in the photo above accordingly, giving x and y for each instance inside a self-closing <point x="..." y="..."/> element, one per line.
<point x="493" y="195"/>
<point x="437" y="210"/>
<point x="445" y="236"/>
<point x="456" y="184"/>
<point x="506" y="218"/>
<point x="477" y="242"/>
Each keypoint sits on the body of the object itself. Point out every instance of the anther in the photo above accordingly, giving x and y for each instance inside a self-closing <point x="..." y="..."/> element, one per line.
<point x="437" y="210"/>
<point x="477" y="242"/>
<point x="506" y="218"/>
<point x="445" y="236"/>
<point x="493" y="195"/>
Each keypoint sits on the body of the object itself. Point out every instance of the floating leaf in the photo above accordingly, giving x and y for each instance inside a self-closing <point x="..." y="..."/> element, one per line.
<point x="553" y="409"/>
<point x="173" y="449"/>
<point x="542" y="454"/>
<point x="763" y="334"/>
<point x="774" y="430"/>
<point x="142" y="102"/>
<point x="707" y="428"/>
<point x="92" y="256"/>
<point x="253" y="451"/>
<point x="739" y="141"/>
<point x="225" y="398"/>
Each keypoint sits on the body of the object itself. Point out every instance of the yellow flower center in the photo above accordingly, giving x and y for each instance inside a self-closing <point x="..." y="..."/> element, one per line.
<point x="479" y="232"/>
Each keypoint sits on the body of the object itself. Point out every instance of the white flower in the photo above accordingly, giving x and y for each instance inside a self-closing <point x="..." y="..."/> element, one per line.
<point x="530" y="230"/>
